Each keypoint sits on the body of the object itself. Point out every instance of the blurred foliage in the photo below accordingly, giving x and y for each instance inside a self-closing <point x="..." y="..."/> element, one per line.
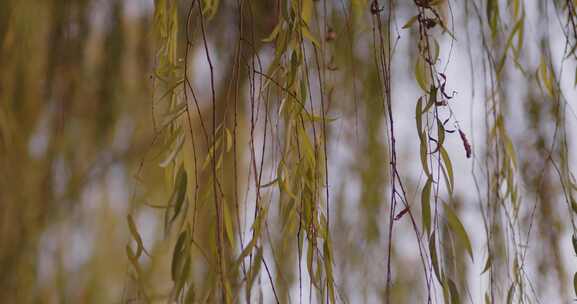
<point x="291" y="151"/>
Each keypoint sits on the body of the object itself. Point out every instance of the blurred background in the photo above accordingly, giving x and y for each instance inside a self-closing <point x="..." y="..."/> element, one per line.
<point x="84" y="144"/>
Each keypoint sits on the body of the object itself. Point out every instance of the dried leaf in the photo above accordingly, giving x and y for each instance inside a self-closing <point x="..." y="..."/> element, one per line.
<point x="466" y="144"/>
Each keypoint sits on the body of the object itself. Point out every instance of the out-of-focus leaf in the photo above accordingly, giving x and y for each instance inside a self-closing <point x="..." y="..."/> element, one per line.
<point x="179" y="191"/>
<point x="510" y="150"/>
<point x="190" y="294"/>
<point x="458" y="228"/>
<point x="274" y="32"/>
<point x="436" y="50"/>
<point x="511" y="294"/>
<point x="455" y="298"/>
<point x="306" y="10"/>
<point x="410" y="22"/>
<point x="211" y="152"/>
<point x="434" y="260"/>
<point x="488" y="264"/>
<point x="228" y="139"/>
<point x="228" y="225"/>
<point x="309" y="36"/>
<point x="177" y="255"/>
<point x="136" y="236"/>
<point x="271" y="183"/>
<point x="546" y="76"/>
<point x="421" y="74"/>
<point x="176" y="146"/>
<point x="573" y="203"/>
<point x="575" y="283"/>
<point x="133" y="260"/>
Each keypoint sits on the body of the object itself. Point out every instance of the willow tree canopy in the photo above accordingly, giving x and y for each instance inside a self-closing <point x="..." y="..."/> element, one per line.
<point x="289" y="151"/>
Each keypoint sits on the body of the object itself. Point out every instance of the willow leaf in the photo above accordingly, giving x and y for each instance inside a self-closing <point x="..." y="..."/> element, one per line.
<point x="426" y="206"/>
<point x="458" y="228"/>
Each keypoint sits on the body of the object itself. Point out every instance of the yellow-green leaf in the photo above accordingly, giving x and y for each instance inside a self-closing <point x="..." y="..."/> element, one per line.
<point x="410" y="22"/>
<point x="308" y="35"/>
<point x="449" y="167"/>
<point x="274" y="32"/>
<point x="421" y="74"/>
<point x="575" y="283"/>
<point x="419" y="117"/>
<point x="307" y="10"/>
<point x="458" y="228"/>
<point x="488" y="264"/>
<point x="455" y="298"/>
<point x="434" y="260"/>
<point x="510" y="294"/>
<point x="426" y="206"/>
<point x="228" y="225"/>
<point x="179" y="193"/>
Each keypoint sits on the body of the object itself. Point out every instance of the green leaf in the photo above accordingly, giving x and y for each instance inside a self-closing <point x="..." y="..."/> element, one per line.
<point x="179" y="191"/>
<point x="307" y="10"/>
<point x="573" y="204"/>
<point x="274" y="181"/>
<point x="183" y="275"/>
<point x="179" y="248"/>
<point x="434" y="260"/>
<point x="228" y="225"/>
<point x="455" y="298"/>
<point x="190" y="294"/>
<point x="574" y="240"/>
<point x="432" y="98"/>
<point x="254" y="270"/>
<point x="449" y="167"/>
<point x="410" y="22"/>
<point x="510" y="294"/>
<point x="575" y="283"/>
<point x="421" y="74"/>
<point x="133" y="259"/>
<point x="458" y="228"/>
<point x="437" y="48"/>
<point x="440" y="133"/>
<point x="175" y="147"/>
<point x="308" y="35"/>
<point x="328" y="263"/>
<point x="426" y="206"/>
<point x="419" y="117"/>
<point x="136" y="236"/>
<point x="547" y="77"/>
<point x="228" y="139"/>
<point x="447" y="30"/>
<point x="424" y="162"/>
<point x="509" y="149"/>
<point x="488" y="264"/>
<point x="211" y="152"/>
<point x="274" y="32"/>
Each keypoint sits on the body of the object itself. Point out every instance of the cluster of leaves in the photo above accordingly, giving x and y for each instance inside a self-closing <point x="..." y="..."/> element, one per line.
<point x="274" y="161"/>
<point x="301" y="164"/>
